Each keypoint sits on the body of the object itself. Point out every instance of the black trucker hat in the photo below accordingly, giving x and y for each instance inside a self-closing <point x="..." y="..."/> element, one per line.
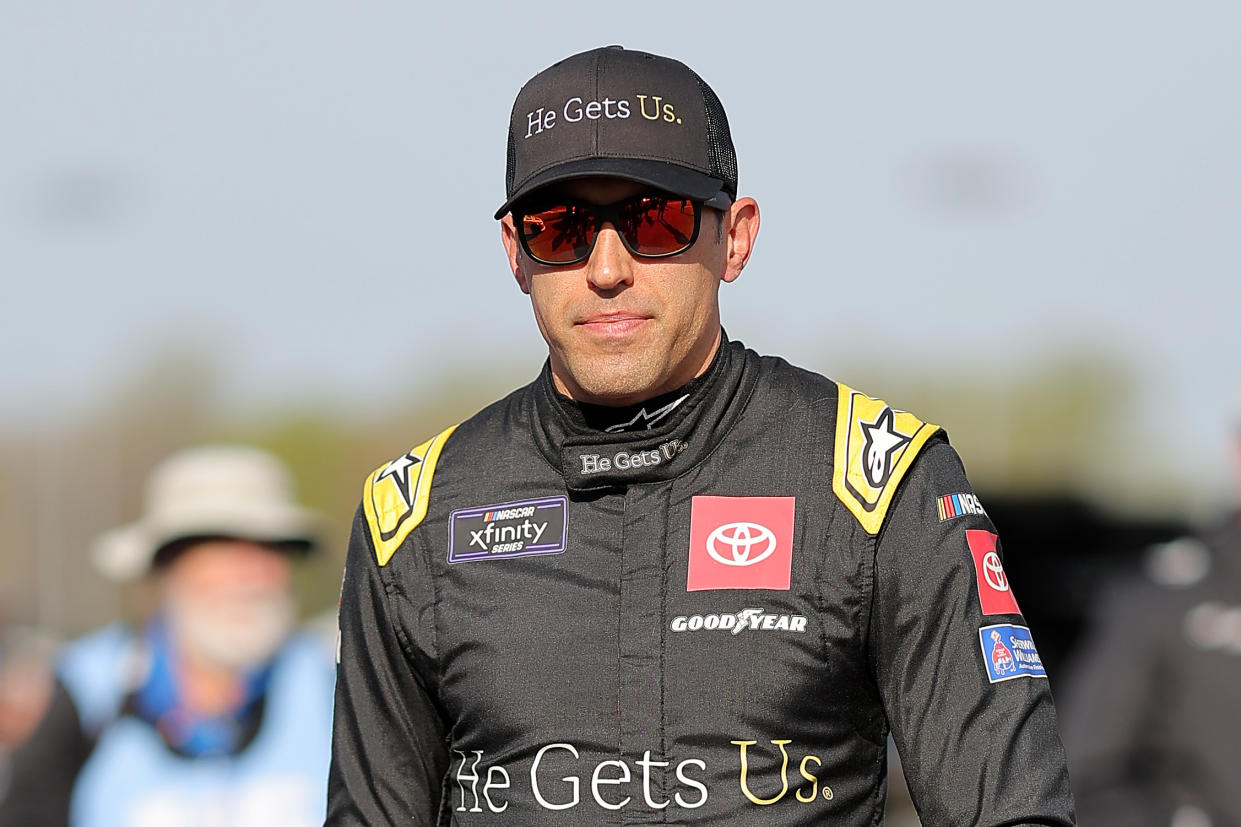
<point x="618" y="113"/>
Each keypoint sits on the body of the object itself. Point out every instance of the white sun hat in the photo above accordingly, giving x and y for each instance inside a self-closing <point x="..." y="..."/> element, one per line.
<point x="209" y="491"/>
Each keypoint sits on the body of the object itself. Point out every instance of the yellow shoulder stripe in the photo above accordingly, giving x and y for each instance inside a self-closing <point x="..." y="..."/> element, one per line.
<point x="395" y="496"/>
<point x="875" y="445"/>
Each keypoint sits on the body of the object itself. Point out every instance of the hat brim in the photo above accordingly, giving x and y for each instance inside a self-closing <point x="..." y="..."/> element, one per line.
<point x="672" y="178"/>
<point x="127" y="553"/>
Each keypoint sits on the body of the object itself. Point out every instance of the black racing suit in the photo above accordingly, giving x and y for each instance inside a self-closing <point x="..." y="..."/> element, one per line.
<point x="716" y="619"/>
<point x="1151" y="716"/>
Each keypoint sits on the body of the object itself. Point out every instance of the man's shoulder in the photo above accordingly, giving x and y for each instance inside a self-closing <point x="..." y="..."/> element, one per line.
<point x="782" y="379"/>
<point x="874" y="444"/>
<point x="98" y="670"/>
<point x="875" y="447"/>
<point x="397" y="494"/>
<point x="98" y="650"/>
<point x="503" y="416"/>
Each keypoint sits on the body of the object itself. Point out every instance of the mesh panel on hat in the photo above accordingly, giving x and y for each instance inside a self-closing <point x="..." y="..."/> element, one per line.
<point x="720" y="150"/>
<point x="511" y="172"/>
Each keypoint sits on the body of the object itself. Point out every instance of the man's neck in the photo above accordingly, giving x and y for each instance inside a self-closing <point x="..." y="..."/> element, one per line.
<point x="650" y="412"/>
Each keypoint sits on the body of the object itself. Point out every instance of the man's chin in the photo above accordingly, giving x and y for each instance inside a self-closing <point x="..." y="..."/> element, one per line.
<point x="617" y="379"/>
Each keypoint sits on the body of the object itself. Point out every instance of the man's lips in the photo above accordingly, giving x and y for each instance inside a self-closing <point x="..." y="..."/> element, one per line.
<point x="612" y="324"/>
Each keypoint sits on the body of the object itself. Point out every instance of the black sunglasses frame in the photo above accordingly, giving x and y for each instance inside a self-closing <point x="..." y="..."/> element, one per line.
<point x="603" y="214"/>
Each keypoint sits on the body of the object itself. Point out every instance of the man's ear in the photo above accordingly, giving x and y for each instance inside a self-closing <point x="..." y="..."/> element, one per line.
<point x="743" y="223"/>
<point x="508" y="236"/>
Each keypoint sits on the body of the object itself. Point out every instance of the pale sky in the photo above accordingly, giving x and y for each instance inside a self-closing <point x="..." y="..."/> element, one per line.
<point x="307" y="188"/>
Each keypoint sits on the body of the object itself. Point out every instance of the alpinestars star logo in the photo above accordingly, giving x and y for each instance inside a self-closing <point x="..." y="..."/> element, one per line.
<point x="882" y="443"/>
<point x="399" y="470"/>
<point x="647" y="420"/>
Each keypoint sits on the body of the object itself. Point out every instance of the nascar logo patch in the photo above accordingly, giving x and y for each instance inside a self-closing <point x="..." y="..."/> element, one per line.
<point x="958" y="505"/>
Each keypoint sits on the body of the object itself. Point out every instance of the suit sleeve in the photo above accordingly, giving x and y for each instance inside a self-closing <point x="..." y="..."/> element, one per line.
<point x="389" y="755"/>
<point x="976" y="728"/>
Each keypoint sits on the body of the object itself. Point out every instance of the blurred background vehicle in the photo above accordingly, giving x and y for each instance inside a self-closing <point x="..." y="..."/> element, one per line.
<point x="1150" y="698"/>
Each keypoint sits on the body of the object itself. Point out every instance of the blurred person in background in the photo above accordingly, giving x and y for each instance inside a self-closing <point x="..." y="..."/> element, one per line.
<point x="1150" y="709"/>
<point x="25" y="690"/>
<point x="215" y="712"/>
<point x="25" y="683"/>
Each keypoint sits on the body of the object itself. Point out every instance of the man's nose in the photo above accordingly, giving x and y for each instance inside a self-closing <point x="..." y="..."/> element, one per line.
<point x="610" y="265"/>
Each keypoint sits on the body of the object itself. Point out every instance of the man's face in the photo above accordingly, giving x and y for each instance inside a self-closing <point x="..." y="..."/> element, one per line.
<point x="620" y="328"/>
<point x="229" y="601"/>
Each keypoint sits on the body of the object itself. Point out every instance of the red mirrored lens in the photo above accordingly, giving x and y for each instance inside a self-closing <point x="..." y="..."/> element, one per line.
<point x="559" y="235"/>
<point x="657" y="226"/>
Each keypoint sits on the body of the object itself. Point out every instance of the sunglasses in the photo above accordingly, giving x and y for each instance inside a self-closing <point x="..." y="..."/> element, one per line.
<point x="650" y="226"/>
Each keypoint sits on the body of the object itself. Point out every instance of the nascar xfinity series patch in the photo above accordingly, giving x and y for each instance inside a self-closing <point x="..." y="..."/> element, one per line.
<point x="518" y="529"/>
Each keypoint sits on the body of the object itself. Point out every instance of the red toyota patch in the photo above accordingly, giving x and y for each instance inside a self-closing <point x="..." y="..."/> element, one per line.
<point x="994" y="594"/>
<point x="740" y="543"/>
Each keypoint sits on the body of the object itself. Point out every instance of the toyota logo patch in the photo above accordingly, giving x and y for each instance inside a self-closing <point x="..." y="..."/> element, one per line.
<point x="995" y="596"/>
<point x="740" y="543"/>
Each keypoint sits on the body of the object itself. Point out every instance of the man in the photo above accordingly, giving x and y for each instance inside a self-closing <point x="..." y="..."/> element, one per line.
<point x="1150" y="710"/>
<point x="213" y="714"/>
<point x="672" y="581"/>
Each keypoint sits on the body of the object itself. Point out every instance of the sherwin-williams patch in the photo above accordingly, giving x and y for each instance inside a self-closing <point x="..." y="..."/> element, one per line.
<point x="1008" y="652"/>
<point x="519" y="529"/>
